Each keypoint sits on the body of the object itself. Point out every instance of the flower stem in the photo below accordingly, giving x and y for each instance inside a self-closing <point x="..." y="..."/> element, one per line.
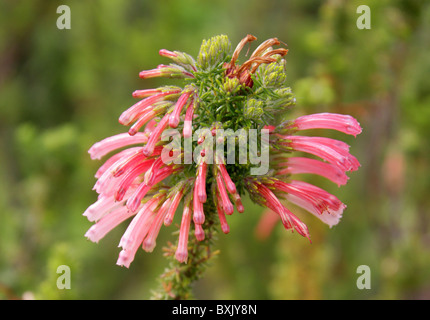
<point x="178" y="278"/>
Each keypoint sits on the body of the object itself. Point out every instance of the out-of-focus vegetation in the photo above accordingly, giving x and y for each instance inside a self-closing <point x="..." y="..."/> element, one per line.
<point x="63" y="90"/>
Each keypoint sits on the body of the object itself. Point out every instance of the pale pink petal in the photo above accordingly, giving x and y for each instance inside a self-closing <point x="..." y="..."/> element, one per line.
<point x="297" y="165"/>
<point x="198" y="232"/>
<point x="132" y="113"/>
<point x="222" y="219"/>
<point x="273" y="203"/>
<point x="174" y="116"/>
<point x="101" y="207"/>
<point x="238" y="201"/>
<point x="339" y="122"/>
<point x="225" y="201"/>
<point x="103" y="147"/>
<point x="144" y="118"/>
<point x="231" y="187"/>
<point x="107" y="223"/>
<point x="107" y="183"/>
<point x="333" y="153"/>
<point x="201" y="184"/>
<point x="136" y="232"/>
<point x="134" y="201"/>
<point x="317" y="201"/>
<point x="150" y="240"/>
<point x="145" y="93"/>
<point x="198" y="213"/>
<point x="188" y="121"/>
<point x="108" y="163"/>
<point x="131" y="176"/>
<point x="155" y="136"/>
<point x="167" y="53"/>
<point x="172" y="209"/>
<point x="182" y="249"/>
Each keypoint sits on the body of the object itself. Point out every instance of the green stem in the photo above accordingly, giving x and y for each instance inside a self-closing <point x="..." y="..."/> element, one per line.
<point x="178" y="278"/>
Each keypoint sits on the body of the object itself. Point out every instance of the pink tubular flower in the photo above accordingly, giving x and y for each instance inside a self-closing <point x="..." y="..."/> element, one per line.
<point x="231" y="187"/>
<point x="333" y="151"/>
<point x="136" y="198"/>
<point x="188" y="121"/>
<point x="145" y="93"/>
<point x="182" y="250"/>
<point x="150" y="240"/>
<point x="201" y="182"/>
<point x="319" y="202"/>
<point x="100" y="149"/>
<point x="116" y="157"/>
<point x="145" y="105"/>
<point x="107" y="223"/>
<point x="199" y="232"/>
<point x="168" y="54"/>
<point x="339" y="122"/>
<point x="239" y="206"/>
<point x="137" y="231"/>
<point x="297" y="165"/>
<point x="171" y="71"/>
<point x="131" y="175"/>
<point x="184" y="60"/>
<point x="176" y="195"/>
<point x="264" y="196"/>
<point x="144" y="118"/>
<point x="155" y="136"/>
<point x="218" y="99"/>
<point x="225" y="201"/>
<point x="174" y="116"/>
<point x="221" y="215"/>
<point x="198" y="215"/>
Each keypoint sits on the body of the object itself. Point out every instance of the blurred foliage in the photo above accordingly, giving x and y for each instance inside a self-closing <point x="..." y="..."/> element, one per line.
<point x="63" y="90"/>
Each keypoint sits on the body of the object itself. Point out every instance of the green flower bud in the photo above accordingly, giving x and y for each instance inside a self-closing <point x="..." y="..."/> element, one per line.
<point x="254" y="109"/>
<point x="232" y="85"/>
<point x="273" y="75"/>
<point x="213" y="51"/>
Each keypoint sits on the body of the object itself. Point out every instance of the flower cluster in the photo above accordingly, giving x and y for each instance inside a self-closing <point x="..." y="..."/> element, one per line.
<point x="218" y="94"/>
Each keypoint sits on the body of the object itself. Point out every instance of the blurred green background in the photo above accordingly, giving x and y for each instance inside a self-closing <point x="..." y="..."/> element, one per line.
<point x="63" y="90"/>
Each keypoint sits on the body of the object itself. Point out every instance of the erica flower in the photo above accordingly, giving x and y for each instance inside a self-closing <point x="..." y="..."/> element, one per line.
<point x="173" y="154"/>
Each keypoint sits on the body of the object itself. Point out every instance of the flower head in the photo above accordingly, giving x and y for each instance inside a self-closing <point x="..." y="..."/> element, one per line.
<point x="174" y="151"/>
